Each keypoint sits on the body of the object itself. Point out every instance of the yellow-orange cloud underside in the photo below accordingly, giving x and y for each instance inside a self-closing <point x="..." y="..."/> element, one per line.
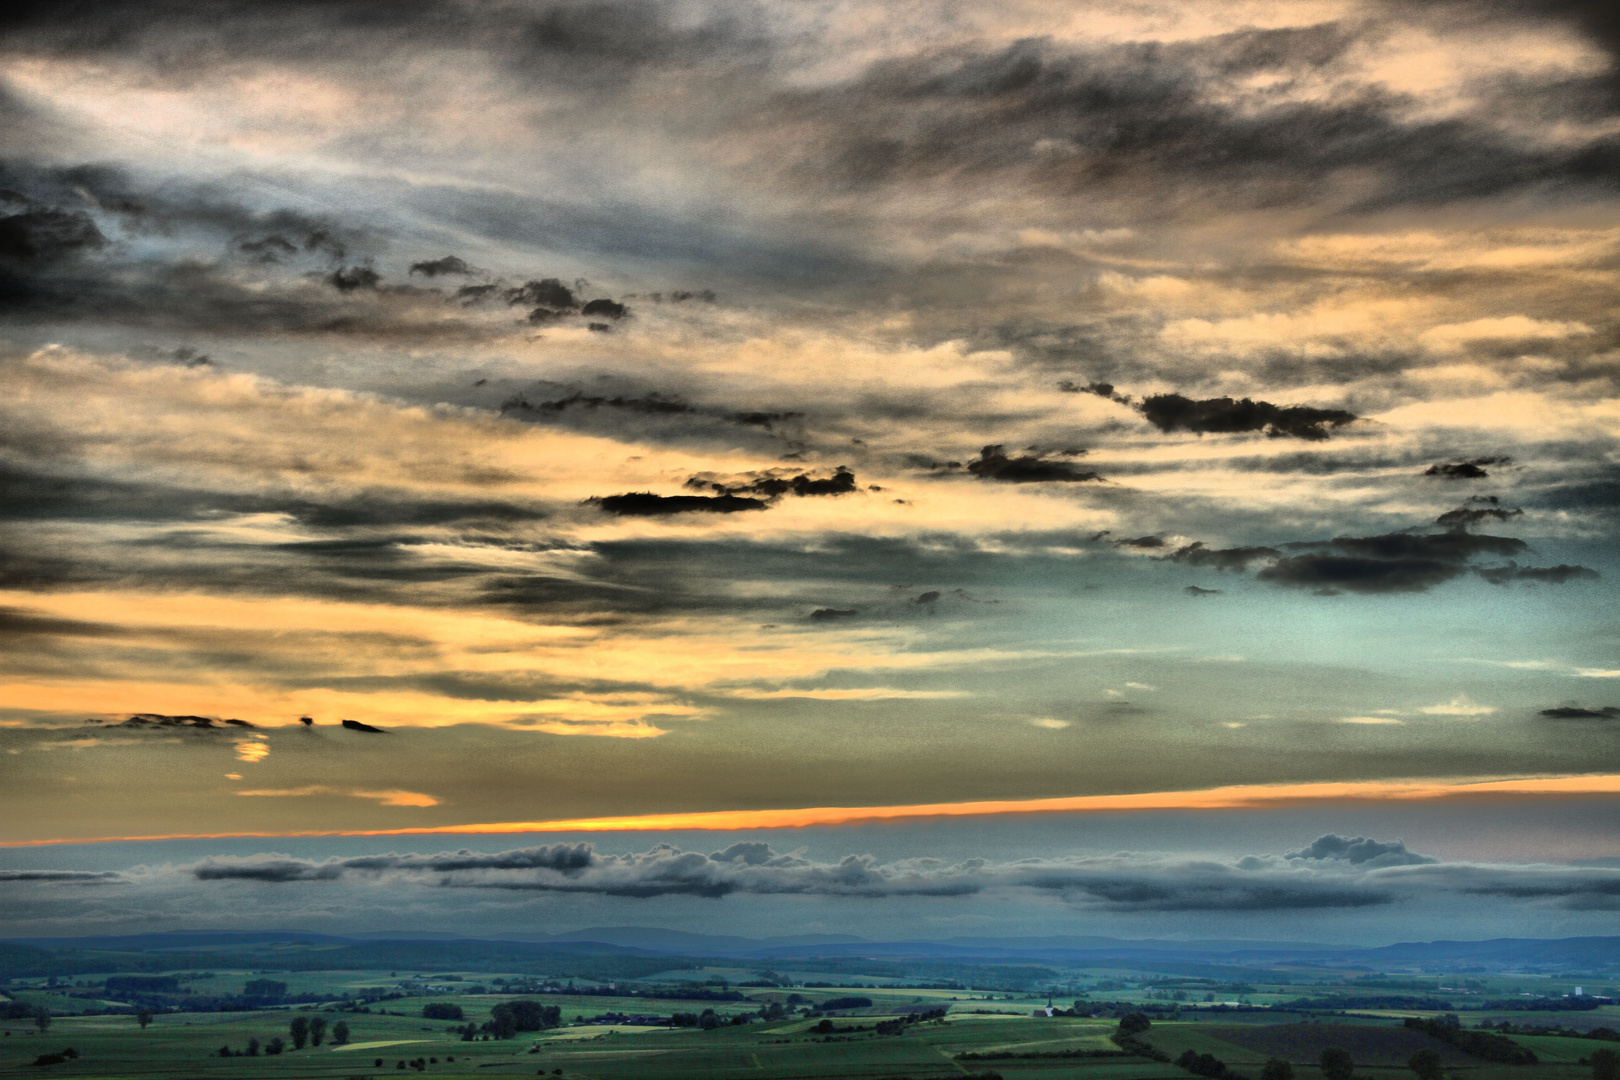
<point x="1238" y="796"/>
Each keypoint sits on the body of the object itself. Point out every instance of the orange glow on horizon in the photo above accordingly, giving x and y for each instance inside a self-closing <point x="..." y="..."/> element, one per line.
<point x="1233" y="797"/>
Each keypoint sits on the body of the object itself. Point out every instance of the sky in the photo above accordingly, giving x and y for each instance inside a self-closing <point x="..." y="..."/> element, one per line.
<point x="1132" y="468"/>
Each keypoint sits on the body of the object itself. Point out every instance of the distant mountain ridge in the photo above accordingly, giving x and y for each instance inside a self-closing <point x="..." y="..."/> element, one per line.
<point x="654" y="941"/>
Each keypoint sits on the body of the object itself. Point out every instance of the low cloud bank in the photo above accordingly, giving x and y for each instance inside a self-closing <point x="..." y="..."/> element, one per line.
<point x="1332" y="872"/>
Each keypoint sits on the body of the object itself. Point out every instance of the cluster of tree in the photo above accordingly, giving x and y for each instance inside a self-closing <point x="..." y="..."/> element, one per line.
<point x="440" y="1010"/>
<point x="272" y="1048"/>
<point x="22" y="1010"/>
<point x="1336" y="1064"/>
<point x="1584" y="1003"/>
<point x="898" y="1025"/>
<point x="1507" y="1027"/>
<point x="65" y="1054"/>
<point x="1128" y="1036"/>
<point x="1605" y="1065"/>
<point x="1205" y="1065"/>
<point x="311" y="1030"/>
<point x="510" y="1017"/>
<point x="1426" y="1064"/>
<point x="707" y="1020"/>
<point x="1368" y="1001"/>
<point x="1480" y="1044"/>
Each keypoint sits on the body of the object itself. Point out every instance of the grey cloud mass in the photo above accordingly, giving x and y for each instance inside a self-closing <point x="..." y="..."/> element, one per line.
<point x="1333" y="872"/>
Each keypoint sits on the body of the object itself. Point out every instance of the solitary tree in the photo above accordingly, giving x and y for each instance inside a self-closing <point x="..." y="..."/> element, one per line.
<point x="143" y="1018"/>
<point x="1426" y="1063"/>
<point x="275" y="1046"/>
<point x="42" y="1019"/>
<point x="1336" y="1064"/>
<point x="1133" y="1024"/>
<point x="340" y="1033"/>
<point x="1606" y="1065"/>
<point x="253" y="1048"/>
<point x="317" y="1030"/>
<point x="1276" y="1069"/>
<point x="299" y="1030"/>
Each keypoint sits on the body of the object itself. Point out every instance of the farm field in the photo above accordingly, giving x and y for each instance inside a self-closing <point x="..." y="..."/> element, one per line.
<point x="187" y="1045"/>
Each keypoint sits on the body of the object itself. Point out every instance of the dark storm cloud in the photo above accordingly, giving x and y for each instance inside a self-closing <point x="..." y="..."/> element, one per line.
<point x="828" y="614"/>
<point x="1577" y="712"/>
<point x="1547" y="575"/>
<point x="1172" y="412"/>
<point x="993" y="463"/>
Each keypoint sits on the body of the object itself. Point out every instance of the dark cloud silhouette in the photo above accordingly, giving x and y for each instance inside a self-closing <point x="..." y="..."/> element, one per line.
<point x="828" y="614"/>
<point x="356" y="725"/>
<point x="67" y="877"/>
<point x="1144" y="542"/>
<point x="159" y="720"/>
<point x="350" y="278"/>
<point x="605" y="308"/>
<point x="772" y="486"/>
<point x="1392" y="563"/>
<point x="994" y="464"/>
<point x="1361" y="851"/>
<point x="1194" y="590"/>
<point x="651" y="403"/>
<point x="44" y="235"/>
<point x="450" y="264"/>
<point x="1101" y="389"/>
<point x="1576" y="712"/>
<point x="763" y="419"/>
<point x="547" y="294"/>
<point x="1549" y="575"/>
<point x="1466" y="470"/>
<point x="1224" y="415"/>
<point x="1473" y="515"/>
<point x="1238" y="558"/>
<point x="647" y="504"/>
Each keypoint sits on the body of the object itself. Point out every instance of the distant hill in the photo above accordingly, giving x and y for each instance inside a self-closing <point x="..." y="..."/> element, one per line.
<point x="648" y="949"/>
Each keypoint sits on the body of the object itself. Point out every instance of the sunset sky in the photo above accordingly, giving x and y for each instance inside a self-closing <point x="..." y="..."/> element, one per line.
<point x="908" y="469"/>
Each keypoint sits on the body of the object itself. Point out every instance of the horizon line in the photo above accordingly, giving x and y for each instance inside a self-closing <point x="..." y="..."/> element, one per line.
<point x="1229" y="797"/>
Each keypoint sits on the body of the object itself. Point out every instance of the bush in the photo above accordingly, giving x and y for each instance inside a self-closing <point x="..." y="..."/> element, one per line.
<point x="441" y="1010"/>
<point x="1277" y="1069"/>
<point x="1337" y="1065"/>
<point x="1426" y="1063"/>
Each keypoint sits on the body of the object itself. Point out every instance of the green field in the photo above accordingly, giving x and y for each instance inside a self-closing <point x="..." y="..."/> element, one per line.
<point x="1014" y="1045"/>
